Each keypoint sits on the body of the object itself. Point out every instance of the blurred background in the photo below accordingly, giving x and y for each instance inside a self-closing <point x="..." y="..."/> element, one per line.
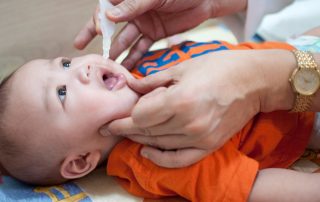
<point x="46" y="29"/>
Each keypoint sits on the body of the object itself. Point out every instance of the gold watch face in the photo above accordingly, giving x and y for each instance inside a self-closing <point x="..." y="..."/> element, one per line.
<point x="306" y="81"/>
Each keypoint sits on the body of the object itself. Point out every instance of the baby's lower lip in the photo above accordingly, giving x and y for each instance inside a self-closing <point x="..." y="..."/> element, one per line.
<point x="115" y="82"/>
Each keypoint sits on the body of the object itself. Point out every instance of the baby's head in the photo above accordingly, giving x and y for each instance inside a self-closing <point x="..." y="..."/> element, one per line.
<point x="51" y="112"/>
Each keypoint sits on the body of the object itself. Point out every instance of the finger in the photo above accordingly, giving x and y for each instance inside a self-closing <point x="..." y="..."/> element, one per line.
<point x="129" y="9"/>
<point x="85" y="36"/>
<point x="125" y="38"/>
<point x="127" y="126"/>
<point x="153" y="109"/>
<point x="173" y="159"/>
<point x="170" y="126"/>
<point x="153" y="81"/>
<point x="166" y="142"/>
<point x="121" y="127"/>
<point x="137" y="52"/>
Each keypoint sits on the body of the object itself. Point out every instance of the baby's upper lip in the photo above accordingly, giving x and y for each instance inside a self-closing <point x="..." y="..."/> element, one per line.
<point x="111" y="80"/>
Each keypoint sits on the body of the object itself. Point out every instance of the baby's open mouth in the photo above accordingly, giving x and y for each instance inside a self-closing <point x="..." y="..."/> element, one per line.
<point x="114" y="81"/>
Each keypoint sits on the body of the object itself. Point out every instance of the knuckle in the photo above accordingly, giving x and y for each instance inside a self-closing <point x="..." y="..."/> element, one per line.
<point x="162" y="89"/>
<point x="124" y="41"/>
<point x="155" y="143"/>
<point x="138" y="52"/>
<point x="186" y="102"/>
<point x="196" y="128"/>
<point x="150" y="141"/>
<point x="147" y="132"/>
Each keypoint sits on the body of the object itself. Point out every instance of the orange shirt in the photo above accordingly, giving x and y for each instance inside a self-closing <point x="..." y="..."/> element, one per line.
<point x="274" y="139"/>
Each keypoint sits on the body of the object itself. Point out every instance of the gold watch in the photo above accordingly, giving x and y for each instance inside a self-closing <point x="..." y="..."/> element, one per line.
<point x="305" y="80"/>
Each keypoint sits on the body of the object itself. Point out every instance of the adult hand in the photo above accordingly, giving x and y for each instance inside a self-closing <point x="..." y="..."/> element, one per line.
<point x="205" y="101"/>
<point x="151" y="20"/>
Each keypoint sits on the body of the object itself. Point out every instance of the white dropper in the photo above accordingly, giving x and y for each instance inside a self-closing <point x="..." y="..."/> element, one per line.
<point x="107" y="27"/>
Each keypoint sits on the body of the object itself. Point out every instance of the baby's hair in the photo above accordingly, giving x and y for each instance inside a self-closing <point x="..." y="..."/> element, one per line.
<point x="10" y="149"/>
<point x="6" y="146"/>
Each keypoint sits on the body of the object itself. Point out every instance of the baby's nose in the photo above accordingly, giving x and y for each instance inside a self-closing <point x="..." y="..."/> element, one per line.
<point x="84" y="74"/>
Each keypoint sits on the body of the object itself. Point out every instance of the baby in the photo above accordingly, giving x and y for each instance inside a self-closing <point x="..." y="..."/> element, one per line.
<point x="51" y="112"/>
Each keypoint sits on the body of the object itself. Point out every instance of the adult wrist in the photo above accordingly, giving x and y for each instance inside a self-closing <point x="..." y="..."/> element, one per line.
<point x="305" y="80"/>
<point x="277" y="67"/>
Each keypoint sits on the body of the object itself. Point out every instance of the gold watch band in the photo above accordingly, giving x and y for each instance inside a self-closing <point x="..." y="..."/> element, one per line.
<point x="305" y="60"/>
<point x="302" y="103"/>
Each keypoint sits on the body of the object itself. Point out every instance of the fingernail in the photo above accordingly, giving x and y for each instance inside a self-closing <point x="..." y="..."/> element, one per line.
<point x="104" y="132"/>
<point x="116" y="12"/>
<point x="98" y="30"/>
<point x="144" y="154"/>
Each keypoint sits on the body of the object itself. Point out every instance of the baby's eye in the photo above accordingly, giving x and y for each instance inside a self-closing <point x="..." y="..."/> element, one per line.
<point x="62" y="93"/>
<point x="66" y="63"/>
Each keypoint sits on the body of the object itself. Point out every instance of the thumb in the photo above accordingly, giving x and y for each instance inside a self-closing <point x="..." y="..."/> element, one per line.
<point x="151" y="82"/>
<point x="174" y="158"/>
<point x="129" y="9"/>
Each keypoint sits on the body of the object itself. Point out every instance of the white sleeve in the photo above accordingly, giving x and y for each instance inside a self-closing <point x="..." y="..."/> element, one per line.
<point x="294" y="20"/>
<point x="244" y="25"/>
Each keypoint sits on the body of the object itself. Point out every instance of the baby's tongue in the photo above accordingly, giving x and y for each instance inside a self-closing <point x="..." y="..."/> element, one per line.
<point x="111" y="82"/>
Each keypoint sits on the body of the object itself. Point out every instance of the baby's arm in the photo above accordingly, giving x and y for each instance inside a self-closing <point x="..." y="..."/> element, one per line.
<point x="283" y="185"/>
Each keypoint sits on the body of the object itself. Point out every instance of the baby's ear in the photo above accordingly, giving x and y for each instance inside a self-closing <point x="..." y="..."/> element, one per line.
<point x="78" y="165"/>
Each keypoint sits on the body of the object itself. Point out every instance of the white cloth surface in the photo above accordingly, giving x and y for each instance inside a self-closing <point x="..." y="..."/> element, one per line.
<point x="295" y="19"/>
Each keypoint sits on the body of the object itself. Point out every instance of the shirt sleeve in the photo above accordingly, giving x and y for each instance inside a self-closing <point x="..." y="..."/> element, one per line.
<point x="244" y="25"/>
<point x="225" y="175"/>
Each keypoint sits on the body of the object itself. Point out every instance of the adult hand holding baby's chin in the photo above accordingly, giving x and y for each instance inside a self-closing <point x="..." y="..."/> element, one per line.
<point x="196" y="106"/>
<point x="151" y="20"/>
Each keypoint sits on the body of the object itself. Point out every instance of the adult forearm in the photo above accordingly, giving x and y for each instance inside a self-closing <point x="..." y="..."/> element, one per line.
<point x="276" y="67"/>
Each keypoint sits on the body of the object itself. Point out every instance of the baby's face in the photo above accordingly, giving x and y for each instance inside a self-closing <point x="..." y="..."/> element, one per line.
<point x="66" y="101"/>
